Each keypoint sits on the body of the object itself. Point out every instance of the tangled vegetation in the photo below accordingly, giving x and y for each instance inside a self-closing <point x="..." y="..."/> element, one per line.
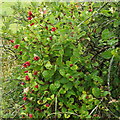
<point x="66" y="61"/>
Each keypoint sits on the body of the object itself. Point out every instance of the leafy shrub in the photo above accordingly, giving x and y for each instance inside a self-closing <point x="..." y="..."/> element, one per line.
<point x="66" y="54"/>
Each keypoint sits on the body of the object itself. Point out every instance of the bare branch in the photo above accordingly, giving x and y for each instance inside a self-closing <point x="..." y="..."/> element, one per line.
<point x="109" y="71"/>
<point x="94" y="14"/>
<point x="112" y="113"/>
<point x="96" y="107"/>
<point x="64" y="113"/>
<point x="55" y="106"/>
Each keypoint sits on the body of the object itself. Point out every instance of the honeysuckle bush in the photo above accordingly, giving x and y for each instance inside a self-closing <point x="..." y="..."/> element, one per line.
<point x="68" y="59"/>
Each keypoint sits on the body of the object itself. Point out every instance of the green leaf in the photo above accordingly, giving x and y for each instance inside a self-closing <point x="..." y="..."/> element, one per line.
<point x="63" y="80"/>
<point x="74" y="59"/>
<point x="69" y="93"/>
<point x="48" y="73"/>
<point x="74" y="67"/>
<point x="66" y="115"/>
<point x="105" y="93"/>
<point x="64" y="109"/>
<point x="62" y="91"/>
<point x="69" y="85"/>
<point x="76" y="52"/>
<point x="52" y="96"/>
<point x="48" y="65"/>
<point x="61" y="52"/>
<point x="24" y="57"/>
<point x="106" y="34"/>
<point x="30" y="75"/>
<point x="68" y="63"/>
<point x="71" y="100"/>
<point x="82" y="34"/>
<point x="68" y="52"/>
<point x="40" y="82"/>
<point x="96" y="92"/>
<point x="107" y="54"/>
<point x="57" y="84"/>
<point x="52" y="87"/>
<point x="62" y="72"/>
<point x="112" y="42"/>
<point x="116" y="23"/>
<point x="59" y="61"/>
<point x="106" y="12"/>
<point x="97" y="78"/>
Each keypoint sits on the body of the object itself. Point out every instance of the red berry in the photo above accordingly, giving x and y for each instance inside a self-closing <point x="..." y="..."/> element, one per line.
<point x="53" y="29"/>
<point x="24" y="95"/>
<point x="36" y="58"/>
<point x="87" y="97"/>
<point x="36" y="86"/>
<point x="16" y="46"/>
<point x="26" y="71"/>
<point x="30" y="13"/>
<point x="70" y="76"/>
<point x="29" y="18"/>
<point x="47" y="105"/>
<point x="25" y="98"/>
<point x="31" y="24"/>
<point x="94" y="30"/>
<point x="32" y="91"/>
<point x="71" y="65"/>
<point x="50" y="37"/>
<point x="36" y="72"/>
<point x="23" y="116"/>
<point x="27" y="77"/>
<point x="20" y="53"/>
<point x="26" y="64"/>
<point x="12" y="41"/>
<point x="37" y="109"/>
<point x="30" y="115"/>
<point x="22" y="83"/>
<point x="23" y="106"/>
<point x="46" y="27"/>
<point x="90" y="10"/>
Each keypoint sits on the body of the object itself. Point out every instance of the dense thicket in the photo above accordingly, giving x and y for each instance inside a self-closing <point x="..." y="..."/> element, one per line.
<point x="68" y="60"/>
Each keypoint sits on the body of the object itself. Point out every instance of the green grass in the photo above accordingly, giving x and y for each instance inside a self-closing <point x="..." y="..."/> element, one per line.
<point x="7" y="10"/>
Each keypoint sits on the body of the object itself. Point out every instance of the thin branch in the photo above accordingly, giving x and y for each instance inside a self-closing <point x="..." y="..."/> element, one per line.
<point x="7" y="48"/>
<point x="17" y="110"/>
<point x="100" y="51"/>
<point x="94" y="14"/>
<point x="96" y="107"/>
<point x="112" y="113"/>
<point x="109" y="72"/>
<point x="11" y="91"/>
<point x="11" y="80"/>
<point x="55" y="106"/>
<point x="64" y="113"/>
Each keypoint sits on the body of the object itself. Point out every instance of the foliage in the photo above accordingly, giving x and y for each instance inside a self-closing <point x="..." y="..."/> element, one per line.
<point x="68" y="59"/>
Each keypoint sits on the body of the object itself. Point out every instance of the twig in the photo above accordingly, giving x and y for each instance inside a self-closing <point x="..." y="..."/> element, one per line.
<point x="11" y="51"/>
<point x="11" y="80"/>
<point x="64" y="113"/>
<point x="11" y="91"/>
<point x="17" y="111"/>
<point x="94" y="14"/>
<point x="55" y="106"/>
<point x="100" y="51"/>
<point x="109" y="70"/>
<point x="96" y="107"/>
<point x="112" y="113"/>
